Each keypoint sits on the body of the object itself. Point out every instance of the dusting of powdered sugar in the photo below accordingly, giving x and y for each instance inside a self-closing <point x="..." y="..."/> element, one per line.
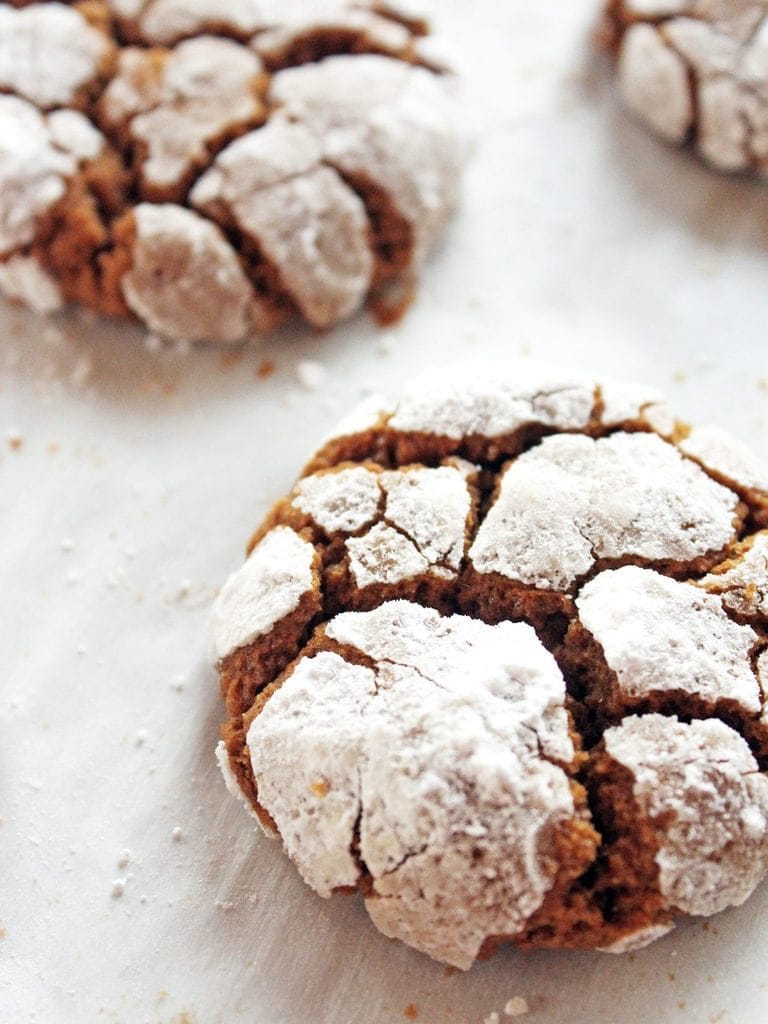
<point x="373" y="31"/>
<point x="38" y="154"/>
<point x="340" y="501"/>
<point x="440" y="751"/>
<point x="573" y="500"/>
<point x="306" y="221"/>
<point x="660" y="635"/>
<point x="206" y="86"/>
<point x="727" y="458"/>
<point x="266" y="589"/>
<point x="690" y="776"/>
<point x="638" y="940"/>
<point x="23" y="279"/>
<point x="743" y="586"/>
<point x="424" y="511"/>
<point x="185" y="280"/>
<point x="387" y="122"/>
<point x="466" y="400"/>
<point x="48" y="52"/>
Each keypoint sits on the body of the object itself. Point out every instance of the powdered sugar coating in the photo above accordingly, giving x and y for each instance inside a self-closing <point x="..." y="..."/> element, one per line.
<point x="275" y="21"/>
<point x="269" y="586"/>
<point x="663" y="636"/>
<point x="654" y="83"/>
<point x="377" y="33"/>
<point x="383" y="121"/>
<point x="48" y="53"/>
<point x="453" y="707"/>
<point x="424" y="511"/>
<point x="344" y="501"/>
<point x="573" y="500"/>
<point x="185" y="280"/>
<point x="702" y="76"/>
<point x="38" y="154"/>
<point x="23" y="279"/>
<point x="206" y="87"/>
<point x="307" y="222"/>
<point x="693" y="775"/>
<point x="726" y="458"/>
<point x="464" y="400"/>
<point x="639" y="940"/>
<point x="743" y="587"/>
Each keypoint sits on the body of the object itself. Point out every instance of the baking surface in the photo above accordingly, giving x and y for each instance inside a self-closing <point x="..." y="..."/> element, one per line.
<point x="133" y="887"/>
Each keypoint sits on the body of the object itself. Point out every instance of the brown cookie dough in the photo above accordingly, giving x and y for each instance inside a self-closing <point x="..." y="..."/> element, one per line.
<point x="215" y="170"/>
<point x="499" y="661"/>
<point x="696" y="71"/>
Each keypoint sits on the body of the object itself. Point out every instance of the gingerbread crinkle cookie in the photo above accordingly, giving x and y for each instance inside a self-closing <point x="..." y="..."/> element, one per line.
<point x="305" y="150"/>
<point x="498" y="661"/>
<point x="696" y="71"/>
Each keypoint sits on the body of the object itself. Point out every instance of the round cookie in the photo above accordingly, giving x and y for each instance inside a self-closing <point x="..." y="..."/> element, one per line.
<point x="697" y="71"/>
<point x="271" y="159"/>
<point x="498" y="662"/>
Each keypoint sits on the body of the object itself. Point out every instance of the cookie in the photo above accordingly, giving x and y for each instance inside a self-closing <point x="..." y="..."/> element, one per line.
<point x="215" y="170"/>
<point x="498" y="662"/>
<point x="696" y="71"/>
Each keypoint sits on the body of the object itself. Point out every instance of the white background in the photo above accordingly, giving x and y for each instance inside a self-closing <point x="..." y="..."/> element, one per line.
<point x="139" y="478"/>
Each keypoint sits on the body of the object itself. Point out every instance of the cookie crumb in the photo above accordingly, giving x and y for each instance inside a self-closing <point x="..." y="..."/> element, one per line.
<point x="265" y="369"/>
<point x="320" y="788"/>
<point x="118" y="888"/>
<point x="15" y="440"/>
<point x="124" y="859"/>
<point x="141" y="738"/>
<point x="177" y="835"/>
<point x="311" y="374"/>
<point x="492" y="1018"/>
<point x="224" y="905"/>
<point x="411" y="1012"/>
<point x="516" y="1007"/>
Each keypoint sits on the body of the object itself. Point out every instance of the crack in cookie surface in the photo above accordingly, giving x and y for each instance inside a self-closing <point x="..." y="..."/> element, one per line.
<point x="655" y="638"/>
<point x="311" y="134"/>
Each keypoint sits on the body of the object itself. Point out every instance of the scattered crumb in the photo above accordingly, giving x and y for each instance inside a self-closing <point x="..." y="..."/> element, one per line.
<point x="319" y="787"/>
<point x="671" y="976"/>
<point x="118" y="888"/>
<point x="411" y="1012"/>
<point x="185" y="586"/>
<point x="177" y="835"/>
<point x="265" y="369"/>
<point x="517" y="1006"/>
<point x="3" y="933"/>
<point x="15" y="440"/>
<point x="450" y="970"/>
<point x="82" y="650"/>
<point x="762" y="384"/>
<point x="140" y="738"/>
<point x="225" y="905"/>
<point x="492" y="1018"/>
<point x="311" y="374"/>
<point x="679" y="377"/>
<point x="124" y="859"/>
<point x="717" y="1017"/>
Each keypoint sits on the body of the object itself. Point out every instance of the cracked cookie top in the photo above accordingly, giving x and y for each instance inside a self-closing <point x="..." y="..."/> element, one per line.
<point x="313" y="141"/>
<point x="697" y="71"/>
<point x="499" y="659"/>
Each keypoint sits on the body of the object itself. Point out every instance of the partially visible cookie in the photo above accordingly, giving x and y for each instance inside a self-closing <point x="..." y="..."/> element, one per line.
<point x="499" y="661"/>
<point x="696" y="71"/>
<point x="215" y="170"/>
